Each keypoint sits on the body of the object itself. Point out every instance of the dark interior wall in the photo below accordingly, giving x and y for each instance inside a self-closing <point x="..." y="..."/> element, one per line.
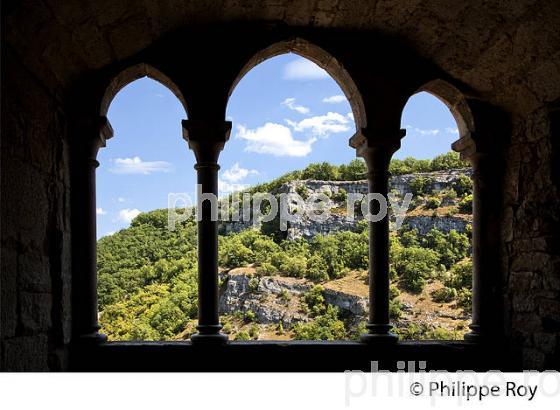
<point x="35" y="260"/>
<point x="51" y="45"/>
<point x="531" y="229"/>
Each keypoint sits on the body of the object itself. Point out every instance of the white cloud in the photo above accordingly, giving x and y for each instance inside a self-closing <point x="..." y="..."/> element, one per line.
<point x="334" y="99"/>
<point x="136" y="165"/>
<point x="322" y="125"/>
<point x="100" y="211"/>
<point x="452" y="130"/>
<point x="275" y="139"/>
<point x="350" y="115"/>
<point x="423" y="131"/>
<point x="121" y="199"/>
<point x="127" y="215"/>
<point x="110" y="233"/>
<point x="236" y="173"/>
<point x="291" y="104"/>
<point x="303" y="69"/>
<point x="227" y="187"/>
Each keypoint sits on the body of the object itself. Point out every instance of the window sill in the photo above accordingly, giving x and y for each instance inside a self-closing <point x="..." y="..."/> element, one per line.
<point x="271" y="356"/>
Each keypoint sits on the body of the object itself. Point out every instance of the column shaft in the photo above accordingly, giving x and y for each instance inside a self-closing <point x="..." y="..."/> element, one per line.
<point x="207" y="139"/>
<point x="379" y="259"/>
<point x="84" y="235"/>
<point x="208" y="319"/>
<point x="377" y="147"/>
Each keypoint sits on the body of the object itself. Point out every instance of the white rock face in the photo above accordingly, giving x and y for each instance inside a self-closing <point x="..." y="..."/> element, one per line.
<point x="278" y="299"/>
<point x="306" y="228"/>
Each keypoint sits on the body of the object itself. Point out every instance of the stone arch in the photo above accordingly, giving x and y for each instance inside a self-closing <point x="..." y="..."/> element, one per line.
<point x="320" y="57"/>
<point x="133" y="73"/>
<point x="455" y="100"/>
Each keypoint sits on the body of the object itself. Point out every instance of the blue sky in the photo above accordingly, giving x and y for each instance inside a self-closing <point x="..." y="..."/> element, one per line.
<point x="286" y="113"/>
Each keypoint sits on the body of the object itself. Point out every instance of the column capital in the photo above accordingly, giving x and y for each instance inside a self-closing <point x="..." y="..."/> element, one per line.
<point x="206" y="138"/>
<point x="94" y="133"/>
<point x="377" y="146"/>
<point x="475" y="146"/>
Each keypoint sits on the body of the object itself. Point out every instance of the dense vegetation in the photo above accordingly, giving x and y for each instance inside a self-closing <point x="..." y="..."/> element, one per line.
<point x="148" y="282"/>
<point x="356" y="170"/>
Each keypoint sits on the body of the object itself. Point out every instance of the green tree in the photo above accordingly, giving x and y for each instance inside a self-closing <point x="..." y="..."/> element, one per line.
<point x="326" y="326"/>
<point x="322" y="171"/>
<point x="354" y="171"/>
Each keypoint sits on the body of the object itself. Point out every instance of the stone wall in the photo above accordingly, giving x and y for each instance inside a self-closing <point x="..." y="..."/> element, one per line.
<point x="35" y="284"/>
<point x="509" y="57"/>
<point x="531" y="259"/>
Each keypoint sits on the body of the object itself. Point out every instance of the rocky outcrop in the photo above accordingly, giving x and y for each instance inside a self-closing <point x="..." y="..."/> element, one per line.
<point x="423" y="224"/>
<point x="346" y="303"/>
<point x="337" y="220"/>
<point x="275" y="299"/>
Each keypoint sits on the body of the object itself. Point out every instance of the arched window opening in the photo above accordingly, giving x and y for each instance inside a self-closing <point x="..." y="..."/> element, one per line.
<point x="286" y="277"/>
<point x="147" y="279"/>
<point x="430" y="251"/>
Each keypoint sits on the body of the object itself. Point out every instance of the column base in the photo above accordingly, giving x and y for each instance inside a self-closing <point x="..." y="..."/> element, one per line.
<point x="474" y="336"/>
<point x="379" y="334"/>
<point x="92" y="338"/>
<point x="209" y="335"/>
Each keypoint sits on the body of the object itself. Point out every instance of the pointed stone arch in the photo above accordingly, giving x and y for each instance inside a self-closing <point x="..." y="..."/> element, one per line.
<point x="133" y="73"/>
<point x="320" y="57"/>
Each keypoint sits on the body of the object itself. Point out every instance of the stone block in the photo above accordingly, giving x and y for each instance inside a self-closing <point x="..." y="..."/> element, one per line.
<point x="35" y="312"/>
<point x="26" y="354"/>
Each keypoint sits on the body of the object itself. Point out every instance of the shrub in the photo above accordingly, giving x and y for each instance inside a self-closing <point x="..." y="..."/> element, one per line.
<point x="314" y="299"/>
<point x="263" y="248"/>
<point x="266" y="269"/>
<point x="249" y="316"/>
<point x="340" y="196"/>
<point x="395" y="307"/>
<point x="233" y="253"/>
<point x="242" y="336"/>
<point x="441" y="333"/>
<point x="444" y="295"/>
<point x="409" y="238"/>
<point x="254" y="332"/>
<point x="302" y="191"/>
<point x="451" y="247"/>
<point x="463" y="185"/>
<point x="322" y="171"/>
<point x="432" y="203"/>
<point x="326" y="326"/>
<point x="354" y="171"/>
<point x="413" y="331"/>
<point x="284" y="295"/>
<point x="228" y="328"/>
<point x="413" y="266"/>
<point x="295" y="266"/>
<point x="359" y="330"/>
<point x="421" y="185"/>
<point x="317" y="269"/>
<point x="353" y="251"/>
<point x="253" y="284"/>
<point x="464" y="300"/>
<point x="448" y="194"/>
<point x="460" y="275"/>
<point x="465" y="205"/>
<point x="328" y="249"/>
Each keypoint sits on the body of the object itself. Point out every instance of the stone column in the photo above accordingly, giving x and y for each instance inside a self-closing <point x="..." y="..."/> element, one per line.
<point x="91" y="136"/>
<point x="207" y="140"/>
<point x="487" y="164"/>
<point x="377" y="148"/>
